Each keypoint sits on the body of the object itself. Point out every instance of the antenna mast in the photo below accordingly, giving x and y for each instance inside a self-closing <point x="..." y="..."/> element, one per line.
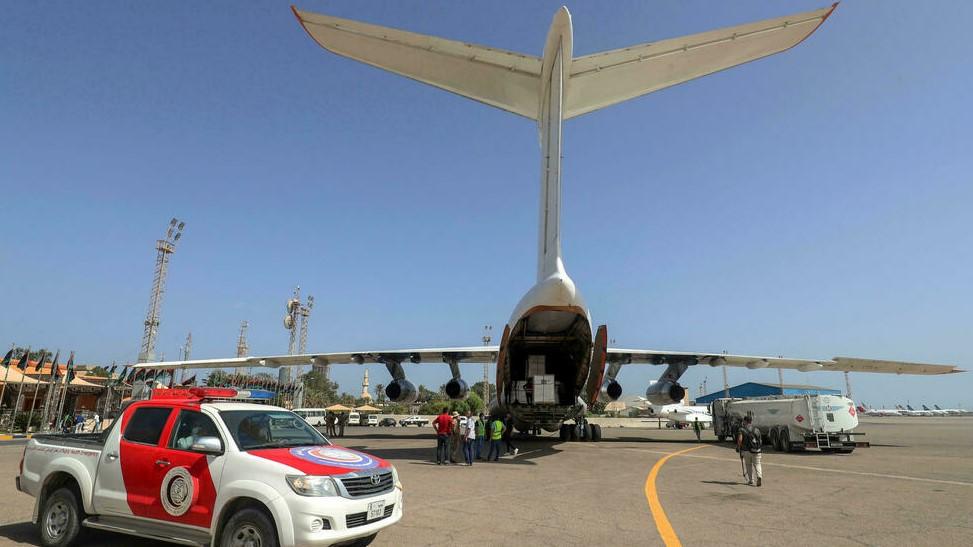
<point x="165" y="248"/>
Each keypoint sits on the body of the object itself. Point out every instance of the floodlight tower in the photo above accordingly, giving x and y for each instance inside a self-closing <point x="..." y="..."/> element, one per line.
<point x="242" y="349"/>
<point x="165" y="248"/>
<point x="487" y="329"/>
<point x="293" y="308"/>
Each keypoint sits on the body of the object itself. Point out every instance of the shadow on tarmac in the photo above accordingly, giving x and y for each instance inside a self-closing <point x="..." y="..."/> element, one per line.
<point x="426" y="455"/>
<point x="26" y="533"/>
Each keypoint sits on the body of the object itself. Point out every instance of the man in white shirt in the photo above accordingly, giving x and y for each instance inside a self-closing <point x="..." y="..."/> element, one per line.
<point x="468" y="431"/>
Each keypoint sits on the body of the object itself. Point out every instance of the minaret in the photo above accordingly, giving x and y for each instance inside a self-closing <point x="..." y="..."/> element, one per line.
<point x="364" y="387"/>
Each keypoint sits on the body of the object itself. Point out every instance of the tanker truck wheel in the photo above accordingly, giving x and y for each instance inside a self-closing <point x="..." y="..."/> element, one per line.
<point x="785" y="440"/>
<point x="772" y="438"/>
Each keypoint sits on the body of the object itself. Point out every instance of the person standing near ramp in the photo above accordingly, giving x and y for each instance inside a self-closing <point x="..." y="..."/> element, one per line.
<point x="697" y="429"/>
<point x="749" y="442"/>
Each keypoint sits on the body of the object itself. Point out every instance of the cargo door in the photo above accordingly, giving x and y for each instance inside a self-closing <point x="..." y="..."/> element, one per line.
<point x="503" y="367"/>
<point x="596" y="372"/>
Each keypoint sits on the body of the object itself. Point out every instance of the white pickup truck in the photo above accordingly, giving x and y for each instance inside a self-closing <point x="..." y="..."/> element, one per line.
<point x="197" y="467"/>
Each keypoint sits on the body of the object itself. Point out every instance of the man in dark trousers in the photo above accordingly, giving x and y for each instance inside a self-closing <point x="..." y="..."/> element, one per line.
<point x="749" y="442"/>
<point x="444" y="426"/>
<point x="697" y="427"/>
<point x="508" y="434"/>
<point x="342" y="422"/>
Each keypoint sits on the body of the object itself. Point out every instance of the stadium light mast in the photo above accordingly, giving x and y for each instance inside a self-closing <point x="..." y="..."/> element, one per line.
<point x="165" y="248"/>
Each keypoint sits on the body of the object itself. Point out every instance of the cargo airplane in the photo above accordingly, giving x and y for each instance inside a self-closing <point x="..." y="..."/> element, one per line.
<point x="550" y="342"/>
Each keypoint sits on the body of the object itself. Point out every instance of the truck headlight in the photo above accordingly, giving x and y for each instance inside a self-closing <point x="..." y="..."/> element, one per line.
<point x="310" y="485"/>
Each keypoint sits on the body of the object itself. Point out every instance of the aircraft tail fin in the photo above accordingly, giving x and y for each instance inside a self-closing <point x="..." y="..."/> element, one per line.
<point x="611" y="77"/>
<point x="504" y="79"/>
<point x="936" y="407"/>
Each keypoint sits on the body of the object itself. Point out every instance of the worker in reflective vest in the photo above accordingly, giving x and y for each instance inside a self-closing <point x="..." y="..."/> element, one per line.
<point x="496" y="433"/>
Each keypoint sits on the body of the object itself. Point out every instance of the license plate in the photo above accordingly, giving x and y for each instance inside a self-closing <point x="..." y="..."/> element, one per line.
<point x="376" y="509"/>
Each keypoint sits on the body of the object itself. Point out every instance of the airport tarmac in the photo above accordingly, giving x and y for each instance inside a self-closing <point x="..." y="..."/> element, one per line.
<point x="914" y="486"/>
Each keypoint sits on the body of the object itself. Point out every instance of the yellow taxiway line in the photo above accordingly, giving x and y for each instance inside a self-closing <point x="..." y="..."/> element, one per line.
<point x="658" y="514"/>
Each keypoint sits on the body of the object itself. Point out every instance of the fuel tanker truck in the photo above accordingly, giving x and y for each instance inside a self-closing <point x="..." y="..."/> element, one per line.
<point x="792" y="422"/>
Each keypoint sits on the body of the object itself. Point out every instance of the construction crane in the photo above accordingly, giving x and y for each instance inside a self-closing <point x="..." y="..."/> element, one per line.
<point x="165" y="248"/>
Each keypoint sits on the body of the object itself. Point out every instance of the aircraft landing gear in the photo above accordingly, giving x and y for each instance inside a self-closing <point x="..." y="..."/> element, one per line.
<point x="580" y="430"/>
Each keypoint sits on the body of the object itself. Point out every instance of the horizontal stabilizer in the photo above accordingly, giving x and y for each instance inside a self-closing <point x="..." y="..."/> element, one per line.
<point x="608" y="78"/>
<point x="506" y="80"/>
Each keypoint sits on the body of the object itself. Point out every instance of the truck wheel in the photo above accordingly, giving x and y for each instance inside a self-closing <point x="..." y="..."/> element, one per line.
<point x="249" y="528"/>
<point x="775" y="435"/>
<point x="60" y="519"/>
<point x="596" y="433"/>
<point x="785" y="440"/>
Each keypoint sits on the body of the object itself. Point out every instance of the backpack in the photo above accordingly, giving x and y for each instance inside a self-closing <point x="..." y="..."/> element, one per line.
<point x="751" y="438"/>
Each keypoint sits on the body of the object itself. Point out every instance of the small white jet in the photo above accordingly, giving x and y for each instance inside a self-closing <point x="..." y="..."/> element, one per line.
<point x="550" y="342"/>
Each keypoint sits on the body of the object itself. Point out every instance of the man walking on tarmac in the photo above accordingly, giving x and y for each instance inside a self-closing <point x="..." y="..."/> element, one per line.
<point x="696" y="429"/>
<point x="444" y="425"/>
<point x="749" y="442"/>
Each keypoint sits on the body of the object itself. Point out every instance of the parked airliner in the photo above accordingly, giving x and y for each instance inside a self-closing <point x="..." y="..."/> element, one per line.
<point x="550" y="340"/>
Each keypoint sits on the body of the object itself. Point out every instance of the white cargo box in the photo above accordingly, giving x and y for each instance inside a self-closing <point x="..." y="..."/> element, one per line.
<point x="520" y="392"/>
<point x="536" y="364"/>
<point x="545" y="389"/>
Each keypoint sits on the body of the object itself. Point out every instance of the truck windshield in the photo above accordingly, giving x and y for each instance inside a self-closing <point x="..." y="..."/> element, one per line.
<point x="253" y="429"/>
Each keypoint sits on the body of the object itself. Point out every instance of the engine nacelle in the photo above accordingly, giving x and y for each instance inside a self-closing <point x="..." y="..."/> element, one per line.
<point x="665" y="393"/>
<point x="610" y="391"/>
<point x="457" y="389"/>
<point x="402" y="391"/>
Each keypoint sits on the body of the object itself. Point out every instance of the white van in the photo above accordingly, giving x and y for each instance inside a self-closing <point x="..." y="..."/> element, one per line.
<point x="370" y="420"/>
<point x="354" y="418"/>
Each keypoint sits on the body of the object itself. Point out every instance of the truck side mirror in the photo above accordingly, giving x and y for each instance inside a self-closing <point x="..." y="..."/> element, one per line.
<point x="207" y="445"/>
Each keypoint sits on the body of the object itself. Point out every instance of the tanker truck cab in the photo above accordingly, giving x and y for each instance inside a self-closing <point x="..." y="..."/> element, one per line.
<point x="202" y="466"/>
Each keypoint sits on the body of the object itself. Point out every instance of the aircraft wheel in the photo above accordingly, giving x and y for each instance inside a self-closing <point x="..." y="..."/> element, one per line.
<point x="565" y="434"/>
<point x="573" y="433"/>
<point x="595" y="433"/>
<point x="586" y="432"/>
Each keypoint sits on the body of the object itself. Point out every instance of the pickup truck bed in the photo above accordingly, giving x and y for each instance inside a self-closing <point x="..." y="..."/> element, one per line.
<point x="91" y="441"/>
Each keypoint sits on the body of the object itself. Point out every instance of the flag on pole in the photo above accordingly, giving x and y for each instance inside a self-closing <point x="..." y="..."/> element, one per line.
<point x="6" y="358"/>
<point x="55" y="373"/>
<point x="40" y="361"/>
<point x="22" y="364"/>
<point x="69" y="370"/>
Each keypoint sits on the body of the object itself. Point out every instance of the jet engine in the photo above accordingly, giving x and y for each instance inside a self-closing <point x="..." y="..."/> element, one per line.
<point x="665" y="393"/>
<point x="457" y="389"/>
<point x="402" y="391"/>
<point x="610" y="391"/>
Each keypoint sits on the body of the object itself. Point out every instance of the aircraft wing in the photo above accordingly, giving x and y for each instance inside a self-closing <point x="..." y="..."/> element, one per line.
<point x="499" y="78"/>
<point x="471" y="354"/>
<point x="838" y="364"/>
<point x="610" y="77"/>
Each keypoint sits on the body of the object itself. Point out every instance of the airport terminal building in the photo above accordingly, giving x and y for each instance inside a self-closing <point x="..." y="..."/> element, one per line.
<point x="760" y="389"/>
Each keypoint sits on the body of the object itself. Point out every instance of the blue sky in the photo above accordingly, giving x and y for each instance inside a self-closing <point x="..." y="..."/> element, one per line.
<point x="812" y="204"/>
